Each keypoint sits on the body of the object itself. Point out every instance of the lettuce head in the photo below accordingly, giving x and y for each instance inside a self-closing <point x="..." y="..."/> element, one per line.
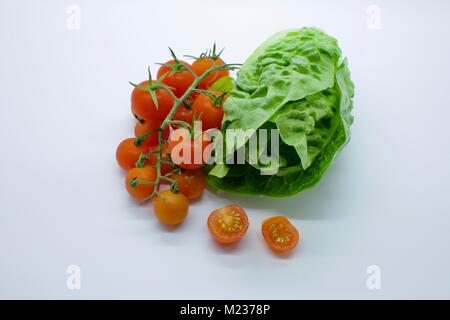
<point x="298" y="83"/>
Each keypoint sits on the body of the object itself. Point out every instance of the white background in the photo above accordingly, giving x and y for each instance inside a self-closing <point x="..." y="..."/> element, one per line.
<point x="64" y="107"/>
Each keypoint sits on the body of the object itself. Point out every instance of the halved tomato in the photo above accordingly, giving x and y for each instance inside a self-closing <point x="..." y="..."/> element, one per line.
<point x="280" y="234"/>
<point x="228" y="224"/>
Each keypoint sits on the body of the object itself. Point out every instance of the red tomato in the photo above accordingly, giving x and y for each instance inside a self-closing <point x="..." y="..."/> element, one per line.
<point x="148" y="126"/>
<point x="166" y="167"/>
<point x="184" y="111"/>
<point x="184" y="114"/>
<point x="179" y="80"/>
<point x="189" y="153"/>
<point x="228" y="224"/>
<point x="143" y="106"/>
<point x="191" y="183"/>
<point x="128" y="153"/>
<point x="209" y="110"/>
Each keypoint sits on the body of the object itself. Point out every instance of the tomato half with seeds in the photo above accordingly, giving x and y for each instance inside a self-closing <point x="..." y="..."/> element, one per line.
<point x="191" y="183"/>
<point x="140" y="182"/>
<point x="170" y="208"/>
<point x="177" y="76"/>
<point x="280" y="234"/>
<point x="128" y="153"/>
<point x="228" y="224"/>
<point x="143" y="106"/>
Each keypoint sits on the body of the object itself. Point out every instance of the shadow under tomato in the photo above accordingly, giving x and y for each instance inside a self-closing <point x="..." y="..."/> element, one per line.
<point x="284" y="255"/>
<point x="227" y="248"/>
<point x="169" y="228"/>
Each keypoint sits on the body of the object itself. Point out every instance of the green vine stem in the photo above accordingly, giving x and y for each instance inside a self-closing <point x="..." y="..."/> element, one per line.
<point x="169" y="120"/>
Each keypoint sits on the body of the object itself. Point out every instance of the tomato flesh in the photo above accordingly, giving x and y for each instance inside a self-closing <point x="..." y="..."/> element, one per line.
<point x="280" y="234"/>
<point x="228" y="224"/>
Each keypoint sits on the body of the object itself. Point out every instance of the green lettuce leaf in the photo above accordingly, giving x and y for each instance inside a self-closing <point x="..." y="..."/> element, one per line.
<point x="224" y="84"/>
<point x="288" y="67"/>
<point x="298" y="82"/>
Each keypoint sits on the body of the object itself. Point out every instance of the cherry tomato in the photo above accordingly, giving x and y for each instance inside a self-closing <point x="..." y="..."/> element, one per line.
<point x="147" y="126"/>
<point x="197" y="150"/>
<point x="221" y="73"/>
<point x="143" y="106"/>
<point x="228" y="224"/>
<point x="280" y="234"/>
<point x="171" y="208"/>
<point x="166" y="167"/>
<point x="127" y="154"/>
<point x="180" y="80"/>
<point x="184" y="114"/>
<point x="201" y="65"/>
<point x="135" y="182"/>
<point x="189" y="101"/>
<point x="184" y="111"/>
<point x="209" y="110"/>
<point x="191" y="183"/>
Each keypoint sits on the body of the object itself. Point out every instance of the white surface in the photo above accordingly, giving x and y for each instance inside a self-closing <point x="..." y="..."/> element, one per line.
<point x="64" y="107"/>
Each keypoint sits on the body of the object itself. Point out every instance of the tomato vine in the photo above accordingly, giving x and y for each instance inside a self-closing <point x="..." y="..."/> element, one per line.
<point x="178" y="101"/>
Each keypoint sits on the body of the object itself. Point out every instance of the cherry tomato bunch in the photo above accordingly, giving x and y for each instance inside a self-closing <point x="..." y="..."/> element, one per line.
<point x="168" y="148"/>
<point x="166" y="144"/>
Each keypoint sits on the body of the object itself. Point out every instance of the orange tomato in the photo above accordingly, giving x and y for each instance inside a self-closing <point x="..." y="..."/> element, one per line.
<point x="228" y="224"/>
<point x="127" y="154"/>
<point x="280" y="234"/>
<point x="139" y="182"/>
<point x="171" y="208"/>
<point x="201" y="65"/>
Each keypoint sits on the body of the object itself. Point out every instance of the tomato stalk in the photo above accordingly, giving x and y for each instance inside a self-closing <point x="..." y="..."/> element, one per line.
<point x="169" y="120"/>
